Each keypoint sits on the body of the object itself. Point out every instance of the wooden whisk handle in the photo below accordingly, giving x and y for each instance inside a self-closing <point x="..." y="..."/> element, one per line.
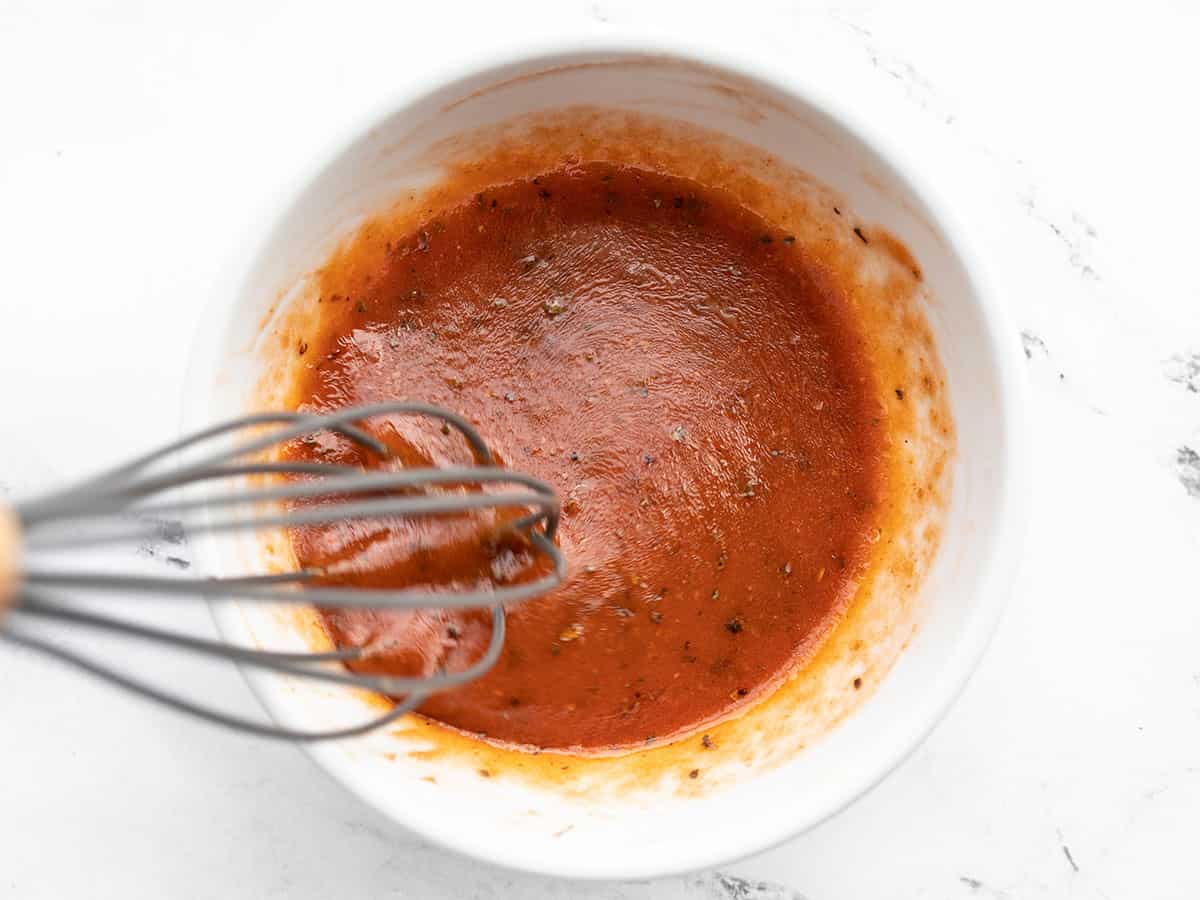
<point x="10" y="552"/>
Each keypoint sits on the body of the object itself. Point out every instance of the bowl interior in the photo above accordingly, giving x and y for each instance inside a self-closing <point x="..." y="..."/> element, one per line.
<point x="657" y="829"/>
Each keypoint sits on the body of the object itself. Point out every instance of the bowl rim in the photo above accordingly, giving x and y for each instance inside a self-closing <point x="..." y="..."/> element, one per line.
<point x="998" y="562"/>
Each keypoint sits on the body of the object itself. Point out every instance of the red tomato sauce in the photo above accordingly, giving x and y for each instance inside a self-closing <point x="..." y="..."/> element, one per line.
<point x="698" y="394"/>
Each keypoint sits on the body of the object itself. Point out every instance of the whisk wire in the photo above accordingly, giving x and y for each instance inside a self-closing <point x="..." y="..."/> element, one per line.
<point x="208" y="714"/>
<point x="303" y="664"/>
<point x="114" y="478"/>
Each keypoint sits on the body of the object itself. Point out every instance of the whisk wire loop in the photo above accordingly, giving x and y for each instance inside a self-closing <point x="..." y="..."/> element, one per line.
<point x="127" y="503"/>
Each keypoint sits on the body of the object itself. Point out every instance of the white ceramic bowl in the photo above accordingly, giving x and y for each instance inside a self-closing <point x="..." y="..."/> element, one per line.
<point x="654" y="832"/>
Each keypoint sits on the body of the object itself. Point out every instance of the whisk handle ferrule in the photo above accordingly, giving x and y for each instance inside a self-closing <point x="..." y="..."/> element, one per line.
<point x="10" y="554"/>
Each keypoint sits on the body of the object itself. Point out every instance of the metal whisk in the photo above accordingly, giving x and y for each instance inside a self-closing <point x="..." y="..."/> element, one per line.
<point x="130" y="503"/>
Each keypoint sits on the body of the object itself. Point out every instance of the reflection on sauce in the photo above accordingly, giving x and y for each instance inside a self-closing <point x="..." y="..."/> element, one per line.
<point x="697" y="393"/>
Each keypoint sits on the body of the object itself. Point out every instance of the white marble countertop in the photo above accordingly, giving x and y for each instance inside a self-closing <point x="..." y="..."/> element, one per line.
<point x="136" y="138"/>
